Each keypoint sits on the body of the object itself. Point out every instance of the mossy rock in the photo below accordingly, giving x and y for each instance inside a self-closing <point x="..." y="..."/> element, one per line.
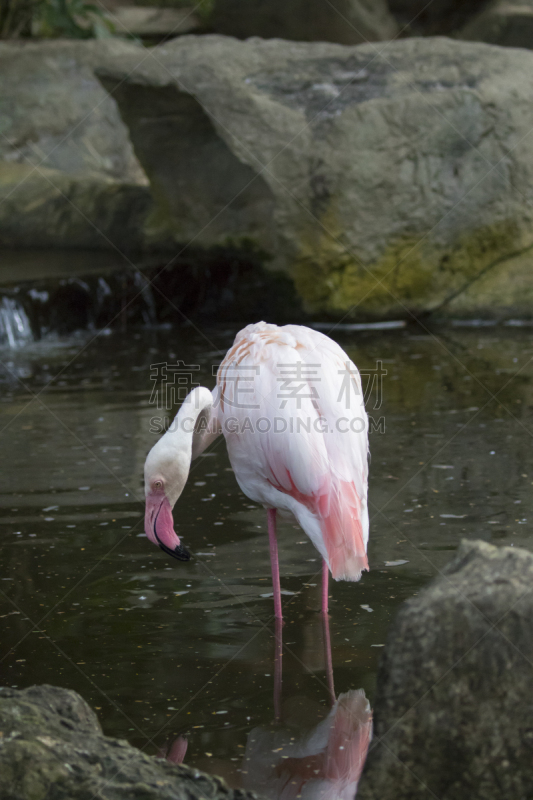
<point x="52" y="748"/>
<point x="68" y="174"/>
<point x="44" y="208"/>
<point x="386" y="183"/>
<point x="414" y="278"/>
<point x="452" y="715"/>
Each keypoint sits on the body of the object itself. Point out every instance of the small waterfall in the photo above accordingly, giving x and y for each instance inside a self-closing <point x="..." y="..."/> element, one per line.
<point x="15" y="328"/>
<point x="149" y="312"/>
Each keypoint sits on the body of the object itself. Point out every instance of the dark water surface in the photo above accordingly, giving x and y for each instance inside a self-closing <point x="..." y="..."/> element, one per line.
<point x="163" y="648"/>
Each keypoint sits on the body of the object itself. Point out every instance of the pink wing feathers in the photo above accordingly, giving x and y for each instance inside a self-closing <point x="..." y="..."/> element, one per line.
<point x="301" y="440"/>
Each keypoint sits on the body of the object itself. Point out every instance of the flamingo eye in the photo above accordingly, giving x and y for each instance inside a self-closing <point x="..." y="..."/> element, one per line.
<point x="158" y="484"/>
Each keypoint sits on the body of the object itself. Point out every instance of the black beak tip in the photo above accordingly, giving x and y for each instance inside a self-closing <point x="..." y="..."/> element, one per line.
<point x="180" y="553"/>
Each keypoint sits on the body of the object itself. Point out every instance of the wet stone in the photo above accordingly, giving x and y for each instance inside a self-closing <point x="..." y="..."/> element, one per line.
<point x="52" y="745"/>
<point x="453" y="703"/>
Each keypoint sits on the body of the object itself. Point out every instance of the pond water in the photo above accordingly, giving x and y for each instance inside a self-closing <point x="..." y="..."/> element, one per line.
<point x="165" y="650"/>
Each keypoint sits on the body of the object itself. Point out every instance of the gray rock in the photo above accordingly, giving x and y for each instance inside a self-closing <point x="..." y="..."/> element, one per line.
<point x="385" y="180"/>
<point x="453" y="715"/>
<point x="150" y="21"/>
<point x="53" y="112"/>
<point x="52" y="746"/>
<point x="49" y="208"/>
<point x="509" y="24"/>
<point x="68" y="173"/>
<point x="343" y="21"/>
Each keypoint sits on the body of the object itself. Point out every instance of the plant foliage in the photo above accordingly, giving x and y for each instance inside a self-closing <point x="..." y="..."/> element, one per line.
<point x="73" y="19"/>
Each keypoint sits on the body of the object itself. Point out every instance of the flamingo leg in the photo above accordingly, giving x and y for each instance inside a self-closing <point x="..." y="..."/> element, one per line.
<point x="278" y="675"/>
<point x="328" y="659"/>
<point x="325" y="586"/>
<point x="271" y="514"/>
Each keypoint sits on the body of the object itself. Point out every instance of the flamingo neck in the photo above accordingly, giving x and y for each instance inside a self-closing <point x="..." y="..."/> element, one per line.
<point x="193" y="427"/>
<point x="169" y="461"/>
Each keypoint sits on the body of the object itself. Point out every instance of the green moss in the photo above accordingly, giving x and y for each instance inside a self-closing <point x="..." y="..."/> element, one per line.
<point x="160" y="222"/>
<point x="415" y="273"/>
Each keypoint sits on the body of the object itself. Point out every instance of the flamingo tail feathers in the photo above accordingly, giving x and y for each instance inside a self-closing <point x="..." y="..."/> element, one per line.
<point x="342" y="531"/>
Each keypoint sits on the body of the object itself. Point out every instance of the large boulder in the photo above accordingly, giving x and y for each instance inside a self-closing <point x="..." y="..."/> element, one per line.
<point x="52" y="746"/>
<point x="68" y="173"/>
<point x="505" y="23"/>
<point x="453" y="715"/>
<point x="388" y="180"/>
<point x="343" y="21"/>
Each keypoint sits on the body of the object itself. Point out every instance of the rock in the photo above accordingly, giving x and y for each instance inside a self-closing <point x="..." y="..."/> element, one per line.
<point x="54" y="113"/>
<point x="504" y="290"/>
<point x="153" y="22"/>
<point x="503" y="23"/>
<point x="453" y="710"/>
<point x="49" y="208"/>
<point x="52" y="746"/>
<point x="440" y="17"/>
<point x="343" y="21"/>
<point x="68" y="173"/>
<point x="384" y="183"/>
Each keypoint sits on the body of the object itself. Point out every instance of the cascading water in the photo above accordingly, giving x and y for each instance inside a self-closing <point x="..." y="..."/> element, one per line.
<point x="41" y="301"/>
<point x="15" y="328"/>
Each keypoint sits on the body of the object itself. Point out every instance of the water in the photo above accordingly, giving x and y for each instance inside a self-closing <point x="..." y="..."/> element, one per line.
<point x="165" y="650"/>
<point x="15" y="328"/>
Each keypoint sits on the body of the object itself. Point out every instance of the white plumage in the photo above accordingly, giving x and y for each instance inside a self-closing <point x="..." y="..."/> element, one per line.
<point x="305" y="454"/>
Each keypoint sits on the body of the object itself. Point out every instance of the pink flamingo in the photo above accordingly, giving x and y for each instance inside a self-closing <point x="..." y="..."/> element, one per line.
<point x="289" y="403"/>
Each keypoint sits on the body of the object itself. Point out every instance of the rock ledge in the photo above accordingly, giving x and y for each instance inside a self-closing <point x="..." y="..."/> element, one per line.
<point x="454" y="708"/>
<point x="52" y="746"/>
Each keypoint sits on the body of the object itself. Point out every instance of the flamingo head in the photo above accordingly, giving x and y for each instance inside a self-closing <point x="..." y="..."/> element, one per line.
<point x="165" y="475"/>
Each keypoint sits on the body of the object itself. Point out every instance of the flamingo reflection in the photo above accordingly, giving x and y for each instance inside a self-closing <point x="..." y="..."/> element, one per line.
<point x="318" y="762"/>
<point x="175" y="751"/>
<point x="298" y="757"/>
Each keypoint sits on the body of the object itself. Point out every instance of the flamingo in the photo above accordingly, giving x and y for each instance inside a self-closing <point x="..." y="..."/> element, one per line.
<point x="290" y="405"/>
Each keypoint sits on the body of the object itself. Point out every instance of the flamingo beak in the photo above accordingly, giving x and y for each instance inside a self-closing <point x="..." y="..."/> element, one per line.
<point x="159" y="526"/>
